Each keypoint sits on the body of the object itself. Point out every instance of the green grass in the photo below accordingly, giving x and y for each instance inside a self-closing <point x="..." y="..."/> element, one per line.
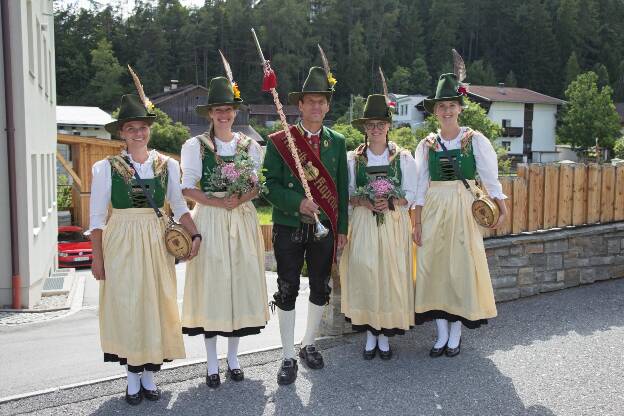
<point x="264" y="214"/>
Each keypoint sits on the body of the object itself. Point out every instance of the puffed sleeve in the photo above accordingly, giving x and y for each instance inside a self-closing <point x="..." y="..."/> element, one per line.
<point x="351" y="171"/>
<point x="487" y="165"/>
<point x="191" y="163"/>
<point x="100" y="195"/>
<point x="421" y="159"/>
<point x="256" y="154"/>
<point x="174" y="191"/>
<point x="409" y="178"/>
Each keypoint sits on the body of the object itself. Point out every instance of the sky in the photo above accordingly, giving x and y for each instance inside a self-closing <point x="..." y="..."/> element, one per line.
<point x="128" y="4"/>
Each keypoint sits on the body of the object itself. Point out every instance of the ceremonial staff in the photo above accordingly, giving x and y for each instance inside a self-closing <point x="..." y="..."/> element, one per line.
<point x="269" y="82"/>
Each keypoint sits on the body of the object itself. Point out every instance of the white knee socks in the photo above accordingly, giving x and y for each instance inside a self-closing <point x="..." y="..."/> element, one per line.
<point x="134" y="382"/>
<point x="442" y="328"/>
<point x="211" y="355"/>
<point x="455" y="334"/>
<point x="383" y="342"/>
<point x="147" y="380"/>
<point x="232" y="356"/>
<point x="371" y="341"/>
<point x="287" y="332"/>
<point x="315" y="314"/>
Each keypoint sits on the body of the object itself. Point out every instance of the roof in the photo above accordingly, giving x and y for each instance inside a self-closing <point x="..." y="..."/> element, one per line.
<point x="167" y="95"/>
<point x="269" y="109"/>
<point x="511" y="95"/>
<point x="619" y="107"/>
<point x="75" y="115"/>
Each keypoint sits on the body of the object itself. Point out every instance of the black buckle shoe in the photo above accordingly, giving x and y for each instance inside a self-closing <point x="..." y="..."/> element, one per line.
<point x="452" y="352"/>
<point x="312" y="357"/>
<point x="369" y="355"/>
<point x="436" y="352"/>
<point x="385" y="355"/>
<point x="213" y="380"/>
<point x="287" y="373"/>
<point x="134" y="399"/>
<point x="235" y="375"/>
<point x="151" y="395"/>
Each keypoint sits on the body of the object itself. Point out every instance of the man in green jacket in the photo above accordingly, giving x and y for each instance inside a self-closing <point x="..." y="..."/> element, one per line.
<point x="322" y="152"/>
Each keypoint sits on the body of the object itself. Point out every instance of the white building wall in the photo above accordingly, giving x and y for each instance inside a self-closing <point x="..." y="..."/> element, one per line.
<point x="500" y="111"/>
<point x="91" y="131"/>
<point x="406" y="112"/>
<point x="34" y="87"/>
<point x="544" y="124"/>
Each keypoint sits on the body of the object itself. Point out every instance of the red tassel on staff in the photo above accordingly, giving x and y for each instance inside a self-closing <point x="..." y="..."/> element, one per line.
<point x="269" y="81"/>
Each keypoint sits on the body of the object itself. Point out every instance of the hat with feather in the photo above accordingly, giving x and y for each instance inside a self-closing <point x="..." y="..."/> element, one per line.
<point x="221" y="91"/>
<point x="319" y="81"/>
<point x="450" y="86"/>
<point x="132" y="108"/>
<point x="377" y="106"/>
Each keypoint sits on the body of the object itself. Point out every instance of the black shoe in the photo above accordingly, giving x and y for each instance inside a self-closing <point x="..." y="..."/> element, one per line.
<point x="385" y="355"/>
<point x="312" y="357"/>
<point x="287" y="373"/>
<point x="369" y="355"/>
<point x="235" y="375"/>
<point x="213" y="380"/>
<point x="436" y="352"/>
<point x="134" y="399"/>
<point x="151" y="395"/>
<point x="452" y="352"/>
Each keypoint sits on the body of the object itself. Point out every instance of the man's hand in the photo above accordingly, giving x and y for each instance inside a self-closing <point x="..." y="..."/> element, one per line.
<point x="308" y="207"/>
<point x="342" y="241"/>
<point x="417" y="234"/>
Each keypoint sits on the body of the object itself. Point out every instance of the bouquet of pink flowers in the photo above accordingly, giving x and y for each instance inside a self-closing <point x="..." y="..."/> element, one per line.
<point x="381" y="187"/>
<point x="235" y="178"/>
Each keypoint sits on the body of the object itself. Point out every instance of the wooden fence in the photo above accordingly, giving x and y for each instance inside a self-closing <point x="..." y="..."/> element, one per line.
<point x="546" y="196"/>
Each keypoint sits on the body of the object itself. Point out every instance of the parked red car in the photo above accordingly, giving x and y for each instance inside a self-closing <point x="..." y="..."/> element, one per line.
<point x="74" y="248"/>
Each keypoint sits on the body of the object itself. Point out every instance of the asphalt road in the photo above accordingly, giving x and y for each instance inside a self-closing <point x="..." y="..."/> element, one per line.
<point x="553" y="354"/>
<point x="65" y="351"/>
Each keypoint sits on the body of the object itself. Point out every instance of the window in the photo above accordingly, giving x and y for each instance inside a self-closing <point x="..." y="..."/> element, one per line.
<point x="46" y="67"/>
<point x="34" y="175"/>
<point x="39" y="70"/>
<point x="31" y="46"/>
<point x="50" y="69"/>
<point x="506" y="123"/>
<point x="50" y="180"/>
<point x="506" y="145"/>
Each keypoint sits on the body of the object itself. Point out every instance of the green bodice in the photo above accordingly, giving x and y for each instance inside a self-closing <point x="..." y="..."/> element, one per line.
<point x="127" y="193"/>
<point x="441" y="169"/>
<point x="210" y="161"/>
<point x="364" y="173"/>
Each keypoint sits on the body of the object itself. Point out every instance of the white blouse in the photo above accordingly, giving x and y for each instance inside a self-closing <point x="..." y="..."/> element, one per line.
<point x="192" y="162"/>
<point x="408" y="172"/>
<point x="101" y="186"/>
<point x="485" y="158"/>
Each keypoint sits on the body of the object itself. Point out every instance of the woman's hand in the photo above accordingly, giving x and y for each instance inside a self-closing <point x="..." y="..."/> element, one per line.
<point x="231" y="202"/>
<point x="381" y="205"/>
<point x="417" y="234"/>
<point x="194" y="249"/>
<point x="97" y="268"/>
<point x="502" y="207"/>
<point x="362" y="202"/>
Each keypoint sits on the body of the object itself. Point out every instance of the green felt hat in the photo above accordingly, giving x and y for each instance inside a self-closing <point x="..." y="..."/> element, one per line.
<point x="447" y="90"/>
<point x="130" y="109"/>
<point x="376" y="108"/>
<point x="220" y="92"/>
<point x="317" y="82"/>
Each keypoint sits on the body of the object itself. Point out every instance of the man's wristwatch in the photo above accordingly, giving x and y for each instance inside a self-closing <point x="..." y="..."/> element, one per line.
<point x="194" y="236"/>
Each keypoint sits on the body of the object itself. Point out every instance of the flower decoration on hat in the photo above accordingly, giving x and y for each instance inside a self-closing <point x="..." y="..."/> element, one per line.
<point x="330" y="77"/>
<point x="462" y="89"/>
<point x="236" y="90"/>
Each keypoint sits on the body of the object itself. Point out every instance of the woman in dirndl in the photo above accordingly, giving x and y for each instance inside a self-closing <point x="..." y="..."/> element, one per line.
<point x="376" y="264"/>
<point x="225" y="290"/>
<point x="453" y="285"/>
<point x="139" y="320"/>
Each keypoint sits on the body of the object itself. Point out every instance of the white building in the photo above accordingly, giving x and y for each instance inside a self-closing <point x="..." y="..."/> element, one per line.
<point x="82" y="121"/>
<point x="28" y="214"/>
<point x="528" y="118"/>
<point x="406" y="113"/>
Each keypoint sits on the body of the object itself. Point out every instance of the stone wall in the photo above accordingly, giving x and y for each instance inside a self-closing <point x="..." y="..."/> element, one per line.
<point x="543" y="261"/>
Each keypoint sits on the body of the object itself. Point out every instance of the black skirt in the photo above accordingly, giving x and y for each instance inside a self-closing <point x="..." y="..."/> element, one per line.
<point x="421" y="318"/>
<point x="242" y="332"/>
<point x="113" y="358"/>
<point x="389" y="332"/>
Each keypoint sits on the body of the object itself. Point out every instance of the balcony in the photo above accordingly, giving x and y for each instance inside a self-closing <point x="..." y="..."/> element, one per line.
<point x="512" y="132"/>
